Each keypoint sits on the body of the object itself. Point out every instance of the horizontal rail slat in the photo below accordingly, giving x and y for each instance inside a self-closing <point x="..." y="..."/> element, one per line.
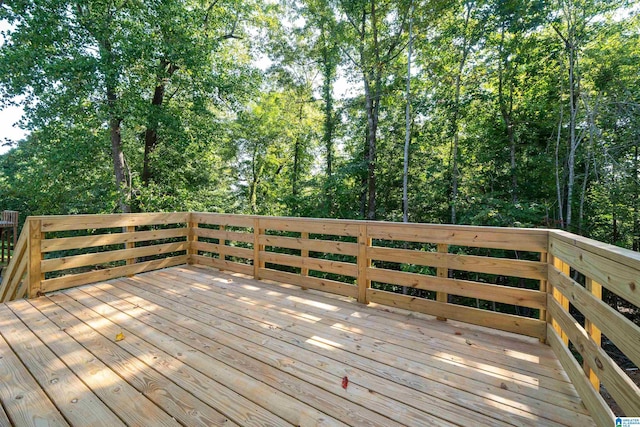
<point x="85" y="222"/>
<point x="72" y="280"/>
<point x="323" y="265"/>
<point x="317" y="283"/>
<point x="223" y="219"/>
<point x="620" y="330"/>
<point x="478" y="264"/>
<point x="227" y="250"/>
<point x="480" y="237"/>
<point x="299" y="225"/>
<point x="55" y="264"/>
<point x="315" y="245"/>
<point x="619" y="278"/>
<point x="66" y="243"/>
<point x="234" y="236"/>
<point x="619" y="385"/>
<point x="223" y="265"/>
<point x="598" y="408"/>
<point x="503" y="294"/>
<point x="504" y="322"/>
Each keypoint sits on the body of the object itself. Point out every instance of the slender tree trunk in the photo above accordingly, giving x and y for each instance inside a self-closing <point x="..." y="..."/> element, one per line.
<point x="506" y="111"/>
<point x="558" y="182"/>
<point x="407" y="135"/>
<point x="636" y="199"/>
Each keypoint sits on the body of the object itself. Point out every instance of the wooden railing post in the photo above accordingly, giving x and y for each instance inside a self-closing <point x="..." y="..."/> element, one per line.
<point x="221" y="244"/>
<point x="192" y="239"/>
<point x="258" y="263"/>
<point x="563" y="300"/>
<point x="304" y="253"/>
<point x="544" y="285"/>
<point x="34" y="251"/>
<point x="442" y="272"/>
<point x="364" y="241"/>
<point x="592" y="330"/>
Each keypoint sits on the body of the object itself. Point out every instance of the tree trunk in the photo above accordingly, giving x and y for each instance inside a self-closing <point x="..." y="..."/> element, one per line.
<point x="636" y="199"/>
<point x="407" y="135"/>
<point x="558" y="183"/>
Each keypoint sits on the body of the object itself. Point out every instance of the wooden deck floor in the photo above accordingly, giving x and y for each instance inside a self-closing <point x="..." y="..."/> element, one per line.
<point x="202" y="347"/>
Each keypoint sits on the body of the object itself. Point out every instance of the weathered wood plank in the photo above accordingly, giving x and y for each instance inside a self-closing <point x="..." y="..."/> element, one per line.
<point x="70" y="395"/>
<point x="75" y="261"/>
<point x="72" y="280"/>
<point x="618" y="277"/>
<point x="489" y="319"/>
<point x="620" y="330"/>
<point x="132" y="407"/>
<point x="85" y="222"/>
<point x="466" y="288"/>
<point x="326" y="285"/>
<point x="598" y="408"/>
<point x="66" y="243"/>
<point x="22" y="398"/>
<point x="306" y="244"/>
<point x="623" y="390"/>
<point x="473" y="263"/>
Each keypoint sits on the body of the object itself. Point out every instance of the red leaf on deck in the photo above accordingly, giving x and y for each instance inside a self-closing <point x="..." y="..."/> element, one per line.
<point x="345" y="382"/>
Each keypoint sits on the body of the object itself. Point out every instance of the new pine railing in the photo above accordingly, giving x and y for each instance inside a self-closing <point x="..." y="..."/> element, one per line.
<point x="533" y="273"/>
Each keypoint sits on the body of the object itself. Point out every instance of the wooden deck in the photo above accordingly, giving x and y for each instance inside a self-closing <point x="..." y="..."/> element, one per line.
<point x="203" y="347"/>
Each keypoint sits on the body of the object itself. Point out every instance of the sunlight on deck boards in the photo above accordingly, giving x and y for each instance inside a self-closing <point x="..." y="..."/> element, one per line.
<point x="202" y="347"/>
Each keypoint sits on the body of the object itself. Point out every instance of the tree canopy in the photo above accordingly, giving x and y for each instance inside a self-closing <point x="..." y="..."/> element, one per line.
<point x="521" y="112"/>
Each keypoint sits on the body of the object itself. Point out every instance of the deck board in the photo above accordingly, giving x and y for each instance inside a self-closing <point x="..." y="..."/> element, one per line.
<point x="202" y="347"/>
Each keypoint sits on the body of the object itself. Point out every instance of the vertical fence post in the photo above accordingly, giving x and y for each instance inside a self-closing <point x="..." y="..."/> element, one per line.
<point x="544" y="284"/>
<point x="592" y="330"/>
<point x="442" y="272"/>
<point x="364" y="241"/>
<point x="130" y="245"/>
<point x="563" y="300"/>
<point x="257" y="248"/>
<point x="304" y="253"/>
<point x="222" y="242"/>
<point x="192" y="238"/>
<point x="34" y="251"/>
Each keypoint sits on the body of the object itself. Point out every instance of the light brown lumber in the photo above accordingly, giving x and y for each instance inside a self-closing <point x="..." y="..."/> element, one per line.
<point x="473" y="263"/>
<point x="618" y="383"/>
<point x="257" y="248"/>
<point x="515" y="351"/>
<point x="224" y="250"/>
<point x="279" y="392"/>
<point x="314" y="226"/>
<point x="364" y="263"/>
<point x="84" y="222"/>
<point x="325" y="285"/>
<point x="490" y="319"/>
<point x="132" y="407"/>
<point x="618" y="277"/>
<point x="228" y="220"/>
<point x="16" y="269"/>
<point x="306" y="244"/>
<point x="620" y="330"/>
<point x="442" y="272"/>
<point x="73" y="280"/>
<point x="69" y="394"/>
<point x="22" y="398"/>
<point x="388" y="357"/>
<point x="304" y="253"/>
<point x="176" y="402"/>
<point x="130" y="245"/>
<point x="334" y="405"/>
<point x="323" y="265"/>
<point x="108" y="321"/>
<point x="4" y="418"/>
<point x="34" y="275"/>
<point x="75" y="261"/>
<point x="66" y="243"/>
<point x="465" y="288"/>
<point x="222" y="235"/>
<point x="445" y="360"/>
<point x="470" y="357"/>
<point x="223" y="265"/>
<point x="521" y="239"/>
<point x="144" y="299"/>
<point x="596" y="405"/>
<point x="178" y="325"/>
<point x="592" y="330"/>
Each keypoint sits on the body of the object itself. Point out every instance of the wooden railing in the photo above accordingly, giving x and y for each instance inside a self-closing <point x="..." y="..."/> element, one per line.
<point x="517" y="280"/>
